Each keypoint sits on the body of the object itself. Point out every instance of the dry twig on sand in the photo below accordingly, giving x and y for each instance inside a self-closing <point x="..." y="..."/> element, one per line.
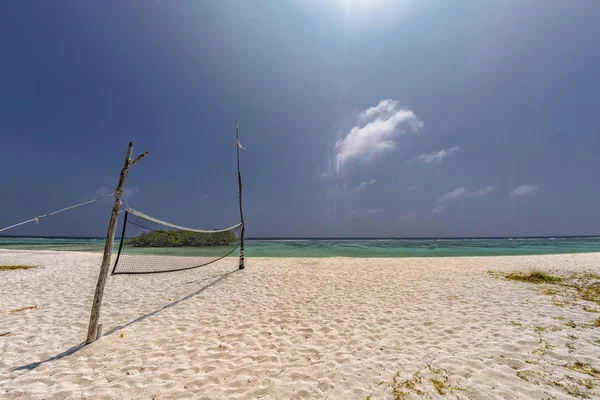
<point x="23" y="309"/>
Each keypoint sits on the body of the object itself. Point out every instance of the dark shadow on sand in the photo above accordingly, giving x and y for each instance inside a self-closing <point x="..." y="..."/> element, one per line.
<point x="80" y="346"/>
<point x="173" y="303"/>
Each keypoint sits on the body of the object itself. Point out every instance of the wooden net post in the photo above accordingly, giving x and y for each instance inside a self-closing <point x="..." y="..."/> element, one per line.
<point x="93" y="330"/>
<point x="238" y="145"/>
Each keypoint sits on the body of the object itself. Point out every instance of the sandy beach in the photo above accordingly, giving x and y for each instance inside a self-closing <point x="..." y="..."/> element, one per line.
<point x="332" y="328"/>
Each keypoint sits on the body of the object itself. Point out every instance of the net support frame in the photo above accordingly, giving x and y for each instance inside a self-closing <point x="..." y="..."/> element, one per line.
<point x="238" y="146"/>
<point x="92" y="334"/>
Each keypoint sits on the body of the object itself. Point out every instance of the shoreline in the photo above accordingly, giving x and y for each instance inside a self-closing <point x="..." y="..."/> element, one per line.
<point x="321" y="257"/>
<point x="357" y="248"/>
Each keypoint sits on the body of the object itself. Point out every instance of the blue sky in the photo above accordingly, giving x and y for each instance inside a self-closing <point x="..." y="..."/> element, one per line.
<point x="361" y="118"/>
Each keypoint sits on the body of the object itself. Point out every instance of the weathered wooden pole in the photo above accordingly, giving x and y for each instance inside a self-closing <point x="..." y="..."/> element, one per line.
<point x="238" y="145"/>
<point x="92" y="334"/>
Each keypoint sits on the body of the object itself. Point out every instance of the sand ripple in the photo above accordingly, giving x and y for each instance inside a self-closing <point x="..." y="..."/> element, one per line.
<point x="336" y="328"/>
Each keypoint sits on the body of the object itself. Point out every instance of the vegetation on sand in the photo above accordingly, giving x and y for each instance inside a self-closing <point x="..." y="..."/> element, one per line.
<point x="398" y="387"/>
<point x="574" y="289"/>
<point x="585" y="368"/>
<point x="533" y="277"/>
<point x="15" y="267"/>
<point x="580" y="286"/>
<point x="416" y="384"/>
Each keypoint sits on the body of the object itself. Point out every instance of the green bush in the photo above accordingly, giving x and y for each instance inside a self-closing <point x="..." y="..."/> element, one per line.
<point x="181" y="239"/>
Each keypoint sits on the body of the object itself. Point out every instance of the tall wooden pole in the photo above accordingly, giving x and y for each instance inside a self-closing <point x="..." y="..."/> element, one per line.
<point x="238" y="145"/>
<point x="92" y="334"/>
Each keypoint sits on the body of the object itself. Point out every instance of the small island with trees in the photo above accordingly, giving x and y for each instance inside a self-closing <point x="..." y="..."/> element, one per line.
<point x="165" y="238"/>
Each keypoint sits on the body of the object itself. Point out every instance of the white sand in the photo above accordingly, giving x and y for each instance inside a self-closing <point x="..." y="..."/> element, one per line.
<point x="336" y="328"/>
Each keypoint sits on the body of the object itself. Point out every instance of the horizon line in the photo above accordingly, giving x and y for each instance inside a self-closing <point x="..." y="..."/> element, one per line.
<point x="338" y="237"/>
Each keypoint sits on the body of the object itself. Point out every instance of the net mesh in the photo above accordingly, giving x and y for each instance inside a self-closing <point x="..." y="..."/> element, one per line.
<point x="149" y="245"/>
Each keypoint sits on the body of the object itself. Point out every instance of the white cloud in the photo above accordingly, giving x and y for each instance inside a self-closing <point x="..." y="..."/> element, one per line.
<point x="104" y="191"/>
<point x="412" y="188"/>
<point x="464" y="192"/>
<point x="436" y="157"/>
<point x="481" y="192"/>
<point x="128" y="192"/>
<point x="363" y="185"/>
<point x="364" y="213"/>
<point x="409" y="216"/>
<point x="438" y="210"/>
<point x="523" y="190"/>
<point x="458" y="192"/>
<point x="375" y="133"/>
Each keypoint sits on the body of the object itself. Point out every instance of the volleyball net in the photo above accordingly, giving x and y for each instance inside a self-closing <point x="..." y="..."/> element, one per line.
<point x="149" y="245"/>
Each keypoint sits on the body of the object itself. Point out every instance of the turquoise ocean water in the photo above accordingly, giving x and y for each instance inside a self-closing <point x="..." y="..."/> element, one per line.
<point x="350" y="247"/>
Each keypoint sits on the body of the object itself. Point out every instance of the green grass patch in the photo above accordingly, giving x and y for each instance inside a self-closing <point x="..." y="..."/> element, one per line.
<point x="585" y="368"/>
<point x="533" y="277"/>
<point x="539" y="329"/>
<point x="410" y="388"/>
<point x="441" y="380"/>
<point x="398" y="387"/>
<point x="591" y="292"/>
<point x="15" y="267"/>
<point x="565" y="290"/>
